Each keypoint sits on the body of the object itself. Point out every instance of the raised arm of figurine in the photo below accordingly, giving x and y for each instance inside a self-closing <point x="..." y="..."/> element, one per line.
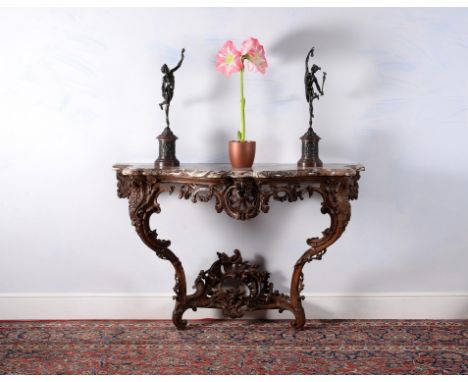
<point x="180" y="62"/>
<point x="310" y="54"/>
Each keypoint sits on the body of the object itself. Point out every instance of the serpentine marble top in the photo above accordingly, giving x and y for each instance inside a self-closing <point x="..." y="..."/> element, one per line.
<point x="222" y="170"/>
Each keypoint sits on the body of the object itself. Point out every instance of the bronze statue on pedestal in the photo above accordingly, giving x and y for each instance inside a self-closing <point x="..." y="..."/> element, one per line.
<point x="310" y="139"/>
<point x="167" y="138"/>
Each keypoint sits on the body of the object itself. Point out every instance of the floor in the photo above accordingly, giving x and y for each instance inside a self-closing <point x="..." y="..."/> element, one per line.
<point x="234" y="347"/>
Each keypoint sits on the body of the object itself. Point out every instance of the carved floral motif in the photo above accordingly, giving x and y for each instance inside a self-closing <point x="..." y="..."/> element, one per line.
<point x="235" y="286"/>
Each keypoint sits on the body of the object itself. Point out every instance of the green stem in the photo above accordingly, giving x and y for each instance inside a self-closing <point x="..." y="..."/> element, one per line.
<point x="242" y="106"/>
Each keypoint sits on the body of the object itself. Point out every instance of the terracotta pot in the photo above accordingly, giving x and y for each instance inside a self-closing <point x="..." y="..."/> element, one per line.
<point x="241" y="153"/>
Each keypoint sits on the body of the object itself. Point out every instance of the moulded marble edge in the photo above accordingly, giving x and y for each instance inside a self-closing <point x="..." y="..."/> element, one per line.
<point x="207" y="170"/>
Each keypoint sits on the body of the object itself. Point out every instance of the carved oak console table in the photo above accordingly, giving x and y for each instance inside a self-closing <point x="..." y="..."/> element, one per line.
<point x="232" y="284"/>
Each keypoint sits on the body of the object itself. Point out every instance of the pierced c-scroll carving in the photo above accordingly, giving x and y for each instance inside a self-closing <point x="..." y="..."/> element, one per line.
<point x="235" y="286"/>
<point x="290" y="192"/>
<point x="242" y="199"/>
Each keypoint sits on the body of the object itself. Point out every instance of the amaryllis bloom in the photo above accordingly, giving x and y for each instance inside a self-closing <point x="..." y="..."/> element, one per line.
<point x="228" y="59"/>
<point x="254" y="53"/>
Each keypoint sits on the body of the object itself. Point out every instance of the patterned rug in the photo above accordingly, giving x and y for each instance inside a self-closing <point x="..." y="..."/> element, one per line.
<point x="234" y="347"/>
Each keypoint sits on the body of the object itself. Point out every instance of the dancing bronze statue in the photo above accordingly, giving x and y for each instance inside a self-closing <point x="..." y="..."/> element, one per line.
<point x="313" y="91"/>
<point x="168" y="85"/>
<point x="167" y="150"/>
<point x="310" y="79"/>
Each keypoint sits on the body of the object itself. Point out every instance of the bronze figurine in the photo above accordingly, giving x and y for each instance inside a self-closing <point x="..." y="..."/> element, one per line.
<point x="167" y="157"/>
<point x="310" y="139"/>
<point x="168" y="85"/>
<point x="309" y="80"/>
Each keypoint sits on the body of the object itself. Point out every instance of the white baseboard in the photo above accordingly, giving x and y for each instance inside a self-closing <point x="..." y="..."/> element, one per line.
<point x="159" y="306"/>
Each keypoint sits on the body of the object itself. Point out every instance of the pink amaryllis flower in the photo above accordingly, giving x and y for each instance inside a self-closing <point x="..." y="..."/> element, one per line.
<point x="253" y="52"/>
<point x="228" y="59"/>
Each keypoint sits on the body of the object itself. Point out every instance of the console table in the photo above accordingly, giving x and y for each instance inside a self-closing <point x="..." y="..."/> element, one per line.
<point x="231" y="284"/>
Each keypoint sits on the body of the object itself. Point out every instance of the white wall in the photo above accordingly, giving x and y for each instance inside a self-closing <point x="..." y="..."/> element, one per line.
<point x="79" y="90"/>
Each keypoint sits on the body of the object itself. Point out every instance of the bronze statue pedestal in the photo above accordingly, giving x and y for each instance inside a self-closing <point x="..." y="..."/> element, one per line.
<point x="167" y="150"/>
<point x="310" y="150"/>
<point x="242" y="195"/>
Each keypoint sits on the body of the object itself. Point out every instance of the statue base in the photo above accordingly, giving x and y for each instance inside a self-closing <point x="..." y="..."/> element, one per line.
<point x="167" y="150"/>
<point x="310" y="150"/>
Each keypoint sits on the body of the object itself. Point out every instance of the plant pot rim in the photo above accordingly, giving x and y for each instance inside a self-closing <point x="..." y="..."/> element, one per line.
<point x="237" y="141"/>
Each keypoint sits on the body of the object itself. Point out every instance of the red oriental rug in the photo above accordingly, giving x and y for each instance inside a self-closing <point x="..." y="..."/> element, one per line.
<point x="234" y="347"/>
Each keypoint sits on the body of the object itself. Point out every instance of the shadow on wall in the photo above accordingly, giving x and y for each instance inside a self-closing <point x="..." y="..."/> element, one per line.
<point x="217" y="91"/>
<point x="218" y="144"/>
<point x="421" y="222"/>
<point x="330" y="41"/>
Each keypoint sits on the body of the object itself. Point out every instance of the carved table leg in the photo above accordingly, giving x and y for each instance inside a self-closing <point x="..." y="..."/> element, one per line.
<point x="336" y="194"/>
<point x="142" y="193"/>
